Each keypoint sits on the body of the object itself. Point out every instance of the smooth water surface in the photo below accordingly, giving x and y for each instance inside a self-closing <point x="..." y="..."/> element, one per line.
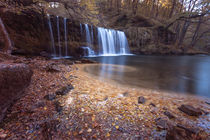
<point x="181" y="74"/>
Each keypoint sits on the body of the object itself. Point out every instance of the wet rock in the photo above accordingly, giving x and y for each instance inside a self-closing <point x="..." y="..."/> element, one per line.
<point x="58" y="107"/>
<point x="152" y="104"/>
<point x="190" y="110"/>
<point x="169" y="115"/>
<point x="64" y="90"/>
<point x="141" y="100"/>
<point x="87" y="61"/>
<point x="14" y="78"/>
<point x="52" y="68"/>
<point x="181" y="132"/>
<point x="208" y="103"/>
<point x="50" y="97"/>
<point x="162" y="123"/>
<point x="78" y="62"/>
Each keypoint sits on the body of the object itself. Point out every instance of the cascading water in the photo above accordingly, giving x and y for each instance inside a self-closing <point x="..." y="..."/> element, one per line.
<point x="51" y="36"/>
<point x="59" y="38"/>
<point x="65" y="34"/>
<point x="112" y="42"/>
<point x="92" y="38"/>
<point x="88" y="51"/>
<point x="81" y="29"/>
<point x="9" y="43"/>
<point x="88" y="38"/>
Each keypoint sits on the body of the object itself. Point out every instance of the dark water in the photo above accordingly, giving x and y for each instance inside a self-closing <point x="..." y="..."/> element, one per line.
<point x="181" y="74"/>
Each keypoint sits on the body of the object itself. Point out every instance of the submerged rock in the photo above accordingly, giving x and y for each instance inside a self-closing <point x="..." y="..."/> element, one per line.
<point x="64" y="90"/>
<point x="141" y="100"/>
<point x="14" y="78"/>
<point x="190" y="110"/>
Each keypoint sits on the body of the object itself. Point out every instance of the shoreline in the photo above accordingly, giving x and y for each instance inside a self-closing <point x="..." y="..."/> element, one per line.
<point x="95" y="109"/>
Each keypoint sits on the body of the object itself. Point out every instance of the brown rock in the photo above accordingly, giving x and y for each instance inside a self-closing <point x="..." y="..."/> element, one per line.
<point x="190" y="110"/>
<point x="162" y="123"/>
<point x="52" y="68"/>
<point x="181" y="132"/>
<point x="169" y="115"/>
<point x="152" y="104"/>
<point x="14" y="78"/>
<point x="64" y="90"/>
<point x="141" y="100"/>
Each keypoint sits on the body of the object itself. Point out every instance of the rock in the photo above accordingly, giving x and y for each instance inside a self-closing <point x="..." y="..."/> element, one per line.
<point x="87" y="61"/>
<point x="181" y="132"/>
<point x="52" y="68"/>
<point x="190" y="110"/>
<point x="78" y="62"/>
<point x="141" y="100"/>
<point x="64" y="90"/>
<point x="162" y="123"/>
<point x="152" y="104"/>
<point x="169" y="115"/>
<point x="45" y="54"/>
<point x="14" y="78"/>
<point x="58" y="107"/>
<point x="208" y="103"/>
<point x="125" y="94"/>
<point x="50" y="97"/>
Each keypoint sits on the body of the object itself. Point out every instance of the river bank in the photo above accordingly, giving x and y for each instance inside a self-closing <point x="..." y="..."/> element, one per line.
<point x="64" y="102"/>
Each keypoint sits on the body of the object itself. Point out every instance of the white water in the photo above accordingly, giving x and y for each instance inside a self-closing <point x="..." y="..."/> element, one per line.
<point x="88" y="51"/>
<point x="59" y="38"/>
<point x="81" y="29"/>
<point x="112" y="42"/>
<point x="65" y="34"/>
<point x="7" y="36"/>
<point x="88" y="37"/>
<point x="51" y="36"/>
<point x="92" y="37"/>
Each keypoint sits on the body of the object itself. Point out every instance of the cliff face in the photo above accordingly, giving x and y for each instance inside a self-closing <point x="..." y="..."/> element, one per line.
<point x="30" y="34"/>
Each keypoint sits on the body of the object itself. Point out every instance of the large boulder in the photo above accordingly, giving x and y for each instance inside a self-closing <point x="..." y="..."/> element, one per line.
<point x="14" y="78"/>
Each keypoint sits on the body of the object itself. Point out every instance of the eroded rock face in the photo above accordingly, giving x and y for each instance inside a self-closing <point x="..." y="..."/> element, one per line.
<point x="14" y="78"/>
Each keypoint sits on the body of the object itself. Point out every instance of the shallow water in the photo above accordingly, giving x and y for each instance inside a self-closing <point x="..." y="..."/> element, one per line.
<point x="181" y="74"/>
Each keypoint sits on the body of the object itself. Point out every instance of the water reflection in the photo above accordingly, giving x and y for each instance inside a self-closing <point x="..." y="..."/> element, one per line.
<point x="181" y="74"/>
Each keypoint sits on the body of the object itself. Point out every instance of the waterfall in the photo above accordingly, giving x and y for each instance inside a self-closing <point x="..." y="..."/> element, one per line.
<point x="112" y="42"/>
<point x="88" y="38"/>
<point x="92" y="38"/>
<point x="59" y="38"/>
<point x="51" y="36"/>
<point x="81" y="29"/>
<point x="65" y="34"/>
<point x="88" y="51"/>
<point x="9" y="43"/>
